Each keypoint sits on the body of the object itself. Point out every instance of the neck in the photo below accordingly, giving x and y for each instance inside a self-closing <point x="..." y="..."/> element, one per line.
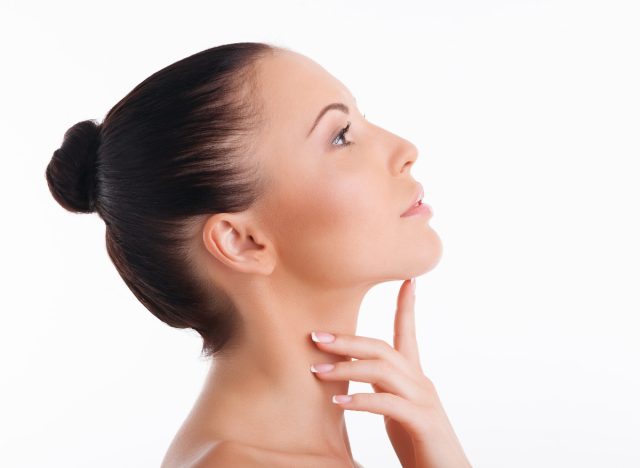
<point x="262" y="389"/>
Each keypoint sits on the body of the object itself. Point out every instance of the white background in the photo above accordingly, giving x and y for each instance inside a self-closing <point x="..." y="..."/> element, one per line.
<point x="527" y="117"/>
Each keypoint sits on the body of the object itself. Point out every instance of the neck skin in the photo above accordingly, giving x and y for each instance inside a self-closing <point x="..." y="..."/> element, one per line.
<point x="262" y="392"/>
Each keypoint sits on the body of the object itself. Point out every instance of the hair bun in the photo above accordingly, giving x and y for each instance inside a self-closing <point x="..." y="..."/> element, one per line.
<point x="71" y="171"/>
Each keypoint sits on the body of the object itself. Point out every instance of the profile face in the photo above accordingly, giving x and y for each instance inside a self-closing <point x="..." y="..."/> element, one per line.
<point x="333" y="208"/>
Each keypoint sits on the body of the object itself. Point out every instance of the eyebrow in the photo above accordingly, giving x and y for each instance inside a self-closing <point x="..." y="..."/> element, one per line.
<point x="335" y="105"/>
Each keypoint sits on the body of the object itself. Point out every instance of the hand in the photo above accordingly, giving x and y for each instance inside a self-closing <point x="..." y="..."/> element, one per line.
<point x="415" y="420"/>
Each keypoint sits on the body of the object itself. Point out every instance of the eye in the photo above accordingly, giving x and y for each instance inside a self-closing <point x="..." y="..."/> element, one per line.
<point x="341" y="135"/>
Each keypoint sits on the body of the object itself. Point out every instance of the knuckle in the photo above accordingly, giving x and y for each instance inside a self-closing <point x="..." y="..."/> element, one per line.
<point x="380" y="343"/>
<point x="381" y="367"/>
<point x="427" y="382"/>
<point x="389" y="400"/>
<point x="387" y="347"/>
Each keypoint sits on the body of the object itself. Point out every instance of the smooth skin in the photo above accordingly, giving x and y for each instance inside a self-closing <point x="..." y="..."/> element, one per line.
<point x="415" y="420"/>
<point x="301" y="259"/>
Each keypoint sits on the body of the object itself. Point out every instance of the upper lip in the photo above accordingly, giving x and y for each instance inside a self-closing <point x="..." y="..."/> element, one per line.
<point x="419" y="193"/>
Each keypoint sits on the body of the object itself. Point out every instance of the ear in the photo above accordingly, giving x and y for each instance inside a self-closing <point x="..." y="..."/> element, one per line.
<point x="233" y="239"/>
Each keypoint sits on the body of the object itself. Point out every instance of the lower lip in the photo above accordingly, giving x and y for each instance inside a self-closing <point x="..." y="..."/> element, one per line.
<point x="421" y="209"/>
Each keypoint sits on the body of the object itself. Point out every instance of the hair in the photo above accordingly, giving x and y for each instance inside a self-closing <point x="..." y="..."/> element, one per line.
<point x="168" y="155"/>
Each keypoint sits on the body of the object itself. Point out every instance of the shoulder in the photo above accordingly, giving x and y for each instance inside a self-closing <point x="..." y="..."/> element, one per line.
<point x="227" y="453"/>
<point x="233" y="454"/>
<point x="212" y="453"/>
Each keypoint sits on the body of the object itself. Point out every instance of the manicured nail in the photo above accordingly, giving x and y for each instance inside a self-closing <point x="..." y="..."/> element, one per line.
<point x="341" y="398"/>
<point x="322" y="337"/>
<point x="321" y="367"/>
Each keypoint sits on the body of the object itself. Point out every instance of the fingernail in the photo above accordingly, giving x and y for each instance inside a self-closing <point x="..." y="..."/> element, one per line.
<point x="322" y="337"/>
<point x="413" y="285"/>
<point x="341" y="398"/>
<point x="321" y="367"/>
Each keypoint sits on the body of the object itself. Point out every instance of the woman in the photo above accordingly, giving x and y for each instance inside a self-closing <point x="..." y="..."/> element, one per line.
<point x="246" y="197"/>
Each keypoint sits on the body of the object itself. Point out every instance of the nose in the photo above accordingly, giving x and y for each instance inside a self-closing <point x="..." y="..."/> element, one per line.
<point x="404" y="156"/>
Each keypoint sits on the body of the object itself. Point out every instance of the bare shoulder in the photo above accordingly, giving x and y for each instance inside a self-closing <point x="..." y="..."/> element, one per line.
<point x="233" y="454"/>
<point x="227" y="453"/>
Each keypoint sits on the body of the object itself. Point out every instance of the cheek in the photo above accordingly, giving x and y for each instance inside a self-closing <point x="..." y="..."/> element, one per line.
<point x="330" y="229"/>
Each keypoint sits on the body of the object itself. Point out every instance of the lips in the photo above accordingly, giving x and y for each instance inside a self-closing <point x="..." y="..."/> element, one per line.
<point x="416" y="198"/>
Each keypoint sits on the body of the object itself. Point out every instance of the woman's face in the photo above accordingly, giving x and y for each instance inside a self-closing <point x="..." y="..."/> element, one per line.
<point x="333" y="208"/>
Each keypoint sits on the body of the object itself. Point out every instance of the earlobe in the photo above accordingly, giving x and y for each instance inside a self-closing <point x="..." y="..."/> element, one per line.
<point x="228" y="238"/>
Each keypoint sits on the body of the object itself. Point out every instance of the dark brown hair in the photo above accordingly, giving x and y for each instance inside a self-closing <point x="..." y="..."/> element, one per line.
<point x="168" y="155"/>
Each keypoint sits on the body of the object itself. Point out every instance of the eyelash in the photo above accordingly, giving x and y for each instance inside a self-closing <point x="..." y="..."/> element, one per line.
<point x="343" y="132"/>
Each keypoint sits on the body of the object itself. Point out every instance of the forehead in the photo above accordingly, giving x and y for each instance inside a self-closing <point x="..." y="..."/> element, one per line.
<point x="295" y="86"/>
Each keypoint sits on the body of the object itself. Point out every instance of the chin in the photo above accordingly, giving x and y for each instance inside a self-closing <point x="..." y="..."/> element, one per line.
<point x="428" y="256"/>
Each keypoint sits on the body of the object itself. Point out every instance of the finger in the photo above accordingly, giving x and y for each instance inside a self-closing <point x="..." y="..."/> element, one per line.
<point x="363" y="347"/>
<point x="379" y="373"/>
<point x="412" y="417"/>
<point x="404" y="327"/>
